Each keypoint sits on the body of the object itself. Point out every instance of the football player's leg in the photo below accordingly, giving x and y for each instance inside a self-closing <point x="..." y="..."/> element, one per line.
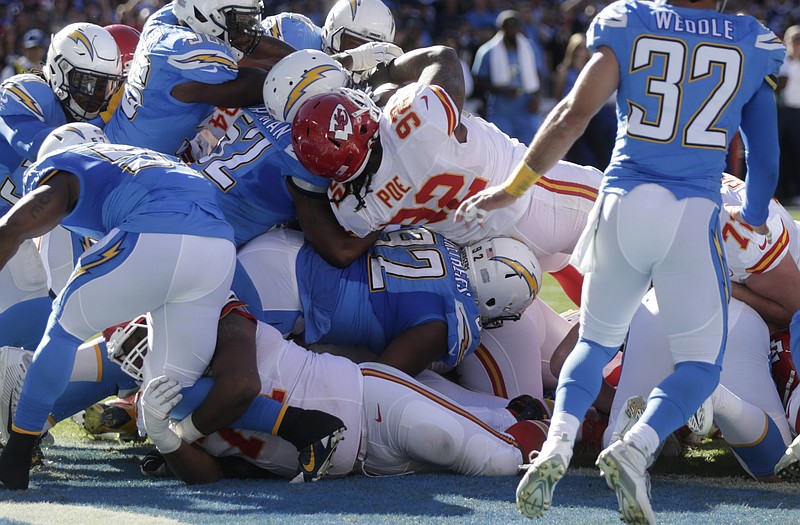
<point x="697" y="330"/>
<point x="752" y="434"/>
<point x="646" y="362"/>
<point x="182" y="331"/>
<point x="507" y="363"/>
<point x="270" y="262"/>
<point x="25" y="303"/>
<point x="414" y="429"/>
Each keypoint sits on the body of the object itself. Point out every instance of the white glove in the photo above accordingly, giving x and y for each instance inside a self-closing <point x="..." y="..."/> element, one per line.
<point x="159" y="398"/>
<point x="366" y="56"/>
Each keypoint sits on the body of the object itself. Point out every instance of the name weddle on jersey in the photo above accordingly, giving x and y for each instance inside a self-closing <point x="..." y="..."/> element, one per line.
<point x="275" y="248"/>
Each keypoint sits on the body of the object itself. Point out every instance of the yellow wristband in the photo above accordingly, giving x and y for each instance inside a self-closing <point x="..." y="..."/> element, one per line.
<point x="522" y="178"/>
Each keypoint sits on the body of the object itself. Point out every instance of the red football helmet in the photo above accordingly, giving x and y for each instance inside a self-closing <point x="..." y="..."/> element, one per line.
<point x="333" y="133"/>
<point x="127" y="38"/>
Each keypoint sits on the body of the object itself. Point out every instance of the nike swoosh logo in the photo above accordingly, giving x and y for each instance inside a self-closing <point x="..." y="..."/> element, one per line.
<point x="309" y="467"/>
<point x="379" y="418"/>
<point x="763" y="245"/>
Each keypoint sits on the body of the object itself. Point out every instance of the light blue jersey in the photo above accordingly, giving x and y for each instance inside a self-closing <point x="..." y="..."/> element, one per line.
<point x="408" y="278"/>
<point x="135" y="190"/>
<point x="685" y="76"/>
<point x="29" y="111"/>
<point x="168" y="54"/>
<point x="250" y="166"/>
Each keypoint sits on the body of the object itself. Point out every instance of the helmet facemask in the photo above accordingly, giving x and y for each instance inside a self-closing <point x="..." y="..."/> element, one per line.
<point x="242" y="27"/>
<point x="88" y="92"/>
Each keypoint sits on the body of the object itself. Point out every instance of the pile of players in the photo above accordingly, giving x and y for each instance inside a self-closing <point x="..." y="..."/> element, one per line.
<point x="246" y="190"/>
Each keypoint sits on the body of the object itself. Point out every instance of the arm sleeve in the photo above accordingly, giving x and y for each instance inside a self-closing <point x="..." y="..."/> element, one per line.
<point x="760" y="135"/>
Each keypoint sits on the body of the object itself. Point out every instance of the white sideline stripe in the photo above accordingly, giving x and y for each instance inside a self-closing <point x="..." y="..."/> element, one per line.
<point x="44" y="514"/>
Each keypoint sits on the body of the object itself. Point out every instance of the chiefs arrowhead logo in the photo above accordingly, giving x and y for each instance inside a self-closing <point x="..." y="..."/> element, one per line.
<point x="340" y="125"/>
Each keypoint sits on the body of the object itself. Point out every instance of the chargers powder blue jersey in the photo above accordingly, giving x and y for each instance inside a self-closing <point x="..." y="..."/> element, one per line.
<point x="408" y="278"/>
<point x="167" y="55"/>
<point x="29" y="110"/>
<point x="135" y="190"/>
<point x="681" y="92"/>
<point x="249" y="166"/>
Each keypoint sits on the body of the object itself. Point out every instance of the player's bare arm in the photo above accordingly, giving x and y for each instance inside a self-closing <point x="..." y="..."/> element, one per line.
<point x="236" y="379"/>
<point x="38" y="212"/>
<point x="416" y="348"/>
<point x="267" y="53"/>
<point x="436" y="65"/>
<point x="243" y="91"/>
<point x="324" y="232"/>
<point x="780" y="284"/>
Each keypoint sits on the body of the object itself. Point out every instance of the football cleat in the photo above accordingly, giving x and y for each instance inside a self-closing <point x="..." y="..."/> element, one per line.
<point x="624" y="468"/>
<point x="702" y="420"/>
<point x="788" y="467"/>
<point x="630" y="414"/>
<point x="153" y="465"/>
<point x="535" y="490"/>
<point x="14" y="363"/>
<point x="117" y="416"/>
<point x="317" y="458"/>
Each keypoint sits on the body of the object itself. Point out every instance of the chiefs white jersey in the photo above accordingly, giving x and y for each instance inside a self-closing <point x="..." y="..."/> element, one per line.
<point x="293" y="375"/>
<point x="426" y="172"/>
<point x="747" y="251"/>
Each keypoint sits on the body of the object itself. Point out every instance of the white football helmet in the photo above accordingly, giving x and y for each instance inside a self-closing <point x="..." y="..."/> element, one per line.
<point x="295" y="29"/>
<point x="70" y="135"/>
<point x="237" y="22"/>
<point x="506" y="277"/>
<point x="126" y="344"/>
<point x="366" y="20"/>
<point x="83" y="68"/>
<point x="298" y="77"/>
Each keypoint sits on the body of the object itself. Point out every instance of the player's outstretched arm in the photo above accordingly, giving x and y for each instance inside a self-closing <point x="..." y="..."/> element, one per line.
<point x="38" y="212"/>
<point x="267" y="53"/>
<point x="243" y="91"/>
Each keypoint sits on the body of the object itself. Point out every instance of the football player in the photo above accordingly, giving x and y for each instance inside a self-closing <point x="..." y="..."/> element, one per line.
<point x="394" y="424"/>
<point x="82" y="71"/>
<point x="185" y="65"/>
<point x="415" y="160"/>
<point x="413" y="299"/>
<point x="143" y="206"/>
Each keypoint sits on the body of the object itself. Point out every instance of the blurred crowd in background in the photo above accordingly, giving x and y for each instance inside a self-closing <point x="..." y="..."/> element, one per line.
<point x="554" y="29"/>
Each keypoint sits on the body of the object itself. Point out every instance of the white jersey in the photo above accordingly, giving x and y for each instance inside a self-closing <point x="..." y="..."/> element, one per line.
<point x="747" y="251"/>
<point x="394" y="423"/>
<point x="426" y="172"/>
<point x="292" y="375"/>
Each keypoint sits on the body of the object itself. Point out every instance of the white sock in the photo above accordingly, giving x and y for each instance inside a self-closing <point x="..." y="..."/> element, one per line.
<point x="643" y="437"/>
<point x="88" y="362"/>
<point x="740" y="422"/>
<point x="562" y="424"/>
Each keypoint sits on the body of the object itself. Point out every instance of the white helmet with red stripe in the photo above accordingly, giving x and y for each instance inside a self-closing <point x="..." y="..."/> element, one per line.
<point x="126" y="344"/>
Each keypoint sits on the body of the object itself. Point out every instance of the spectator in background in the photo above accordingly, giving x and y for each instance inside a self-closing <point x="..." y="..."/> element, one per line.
<point x="575" y="57"/>
<point x="34" y="48"/>
<point x="505" y="70"/>
<point x="789" y="117"/>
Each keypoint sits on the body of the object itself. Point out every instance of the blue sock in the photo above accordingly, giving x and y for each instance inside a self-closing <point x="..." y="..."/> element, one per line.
<point x="672" y="402"/>
<point x="582" y="376"/>
<point x="82" y="394"/>
<point x="23" y="324"/>
<point x="262" y="414"/>
<point x="760" y="458"/>
<point x="47" y="378"/>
